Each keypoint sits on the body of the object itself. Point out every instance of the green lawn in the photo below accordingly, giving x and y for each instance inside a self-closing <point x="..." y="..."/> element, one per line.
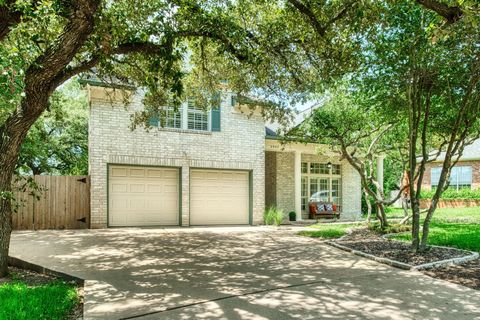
<point x="460" y="235"/>
<point x="328" y="230"/>
<point x="455" y="227"/>
<point x="471" y="214"/>
<point x="50" y="301"/>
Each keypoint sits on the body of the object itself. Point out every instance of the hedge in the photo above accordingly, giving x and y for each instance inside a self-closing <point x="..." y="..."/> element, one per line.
<point x="452" y="194"/>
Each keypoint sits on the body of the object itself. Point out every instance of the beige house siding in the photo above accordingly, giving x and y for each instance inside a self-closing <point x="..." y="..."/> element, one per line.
<point x="270" y="178"/>
<point x="284" y="183"/>
<point x="239" y="145"/>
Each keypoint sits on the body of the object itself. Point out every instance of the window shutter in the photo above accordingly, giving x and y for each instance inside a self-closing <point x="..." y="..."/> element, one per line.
<point x="216" y="119"/>
<point x="154" y="121"/>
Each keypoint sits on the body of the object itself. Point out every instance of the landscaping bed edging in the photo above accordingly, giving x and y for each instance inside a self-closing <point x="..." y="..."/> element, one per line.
<point x="471" y="255"/>
<point x="22" y="264"/>
<point x="405" y="266"/>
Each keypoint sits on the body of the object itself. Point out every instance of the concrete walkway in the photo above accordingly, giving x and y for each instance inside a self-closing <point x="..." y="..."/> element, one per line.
<point x="236" y="273"/>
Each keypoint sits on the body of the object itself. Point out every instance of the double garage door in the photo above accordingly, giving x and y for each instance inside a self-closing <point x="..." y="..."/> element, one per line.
<point x="143" y="196"/>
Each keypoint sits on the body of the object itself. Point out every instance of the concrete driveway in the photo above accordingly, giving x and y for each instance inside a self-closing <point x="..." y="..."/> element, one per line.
<point x="236" y="273"/>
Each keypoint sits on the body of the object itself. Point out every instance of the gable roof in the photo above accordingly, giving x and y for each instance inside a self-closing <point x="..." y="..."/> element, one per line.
<point x="471" y="152"/>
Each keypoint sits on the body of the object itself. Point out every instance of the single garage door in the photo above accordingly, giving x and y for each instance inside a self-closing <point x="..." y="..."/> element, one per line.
<point x="218" y="197"/>
<point x="143" y="196"/>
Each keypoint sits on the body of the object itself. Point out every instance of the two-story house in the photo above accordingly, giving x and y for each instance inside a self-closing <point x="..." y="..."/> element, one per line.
<point x="216" y="167"/>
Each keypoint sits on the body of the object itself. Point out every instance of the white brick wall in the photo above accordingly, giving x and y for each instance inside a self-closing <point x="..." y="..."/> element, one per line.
<point x="285" y="184"/>
<point x="239" y="145"/>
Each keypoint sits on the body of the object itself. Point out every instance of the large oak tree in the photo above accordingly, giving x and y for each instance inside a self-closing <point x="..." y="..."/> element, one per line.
<point x="286" y="49"/>
<point x="163" y="47"/>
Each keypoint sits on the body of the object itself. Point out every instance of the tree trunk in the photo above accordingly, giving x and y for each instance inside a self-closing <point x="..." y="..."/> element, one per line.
<point x="369" y="206"/>
<point x="12" y="135"/>
<point x="415" y="225"/>
<point x="381" y="216"/>
<point x="426" y="224"/>
<point x="405" y="207"/>
<point x="5" y="232"/>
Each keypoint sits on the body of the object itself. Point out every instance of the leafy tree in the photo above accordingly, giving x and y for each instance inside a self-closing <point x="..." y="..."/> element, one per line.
<point x="45" y="43"/>
<point x="169" y="48"/>
<point x="158" y="44"/>
<point x="58" y="141"/>
<point x="428" y="72"/>
<point x="351" y="123"/>
<point x="172" y="49"/>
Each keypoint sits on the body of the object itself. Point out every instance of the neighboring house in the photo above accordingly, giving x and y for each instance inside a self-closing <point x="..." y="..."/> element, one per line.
<point x="465" y="174"/>
<point x="220" y="167"/>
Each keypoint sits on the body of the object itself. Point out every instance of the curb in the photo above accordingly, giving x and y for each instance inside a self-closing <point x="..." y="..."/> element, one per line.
<point x="19" y="263"/>
<point x="390" y="262"/>
<point x="405" y="266"/>
<point x="471" y="255"/>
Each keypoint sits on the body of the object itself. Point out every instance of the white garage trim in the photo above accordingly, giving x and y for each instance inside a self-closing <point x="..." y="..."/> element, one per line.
<point x="220" y="197"/>
<point x="143" y="195"/>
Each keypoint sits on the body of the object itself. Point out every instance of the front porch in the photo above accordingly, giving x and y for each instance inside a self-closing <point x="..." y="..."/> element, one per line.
<point x="297" y="173"/>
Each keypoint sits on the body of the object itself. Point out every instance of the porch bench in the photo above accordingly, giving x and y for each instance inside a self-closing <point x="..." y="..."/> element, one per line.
<point x="318" y="210"/>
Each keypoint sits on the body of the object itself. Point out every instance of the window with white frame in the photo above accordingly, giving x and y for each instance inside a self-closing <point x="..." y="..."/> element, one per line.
<point x="173" y="119"/>
<point x="197" y="117"/>
<point x="320" y="182"/>
<point x="460" y="177"/>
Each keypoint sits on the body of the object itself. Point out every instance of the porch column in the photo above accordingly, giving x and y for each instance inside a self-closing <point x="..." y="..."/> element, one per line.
<point x="298" y="184"/>
<point x="380" y="171"/>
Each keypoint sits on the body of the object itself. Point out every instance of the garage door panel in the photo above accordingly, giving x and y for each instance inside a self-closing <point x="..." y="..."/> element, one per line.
<point x="137" y="188"/>
<point x="137" y="173"/>
<point x="119" y="187"/>
<point x="118" y="172"/>
<point x="219" y="197"/>
<point x="154" y="173"/>
<point x="143" y="196"/>
<point x="154" y="188"/>
<point x="118" y="203"/>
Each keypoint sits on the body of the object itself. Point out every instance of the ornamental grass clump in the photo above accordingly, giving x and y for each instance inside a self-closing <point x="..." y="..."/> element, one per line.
<point x="273" y="216"/>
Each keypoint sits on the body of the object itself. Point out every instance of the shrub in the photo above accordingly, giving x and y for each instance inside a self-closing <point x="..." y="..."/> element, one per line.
<point x="393" y="228"/>
<point x="292" y="216"/>
<point x="452" y="194"/>
<point x="273" y="216"/>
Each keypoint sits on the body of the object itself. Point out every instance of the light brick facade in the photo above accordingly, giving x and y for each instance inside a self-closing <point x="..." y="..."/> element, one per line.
<point x="283" y="183"/>
<point x="240" y="145"/>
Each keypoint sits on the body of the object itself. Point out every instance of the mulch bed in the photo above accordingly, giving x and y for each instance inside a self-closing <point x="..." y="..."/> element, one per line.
<point x="362" y="239"/>
<point x="32" y="278"/>
<point x="467" y="274"/>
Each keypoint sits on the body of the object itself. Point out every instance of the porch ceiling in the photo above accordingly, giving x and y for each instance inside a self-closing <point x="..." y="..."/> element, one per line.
<point x="304" y="148"/>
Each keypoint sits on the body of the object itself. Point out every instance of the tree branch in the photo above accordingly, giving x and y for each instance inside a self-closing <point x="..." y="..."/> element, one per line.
<point x="450" y="13"/>
<point x="8" y="18"/>
<point x="307" y="12"/>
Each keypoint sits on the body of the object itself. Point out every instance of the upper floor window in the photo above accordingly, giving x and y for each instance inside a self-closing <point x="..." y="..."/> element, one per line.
<point x="173" y="119"/>
<point x="460" y="177"/>
<point x="188" y="117"/>
<point x="197" y="117"/>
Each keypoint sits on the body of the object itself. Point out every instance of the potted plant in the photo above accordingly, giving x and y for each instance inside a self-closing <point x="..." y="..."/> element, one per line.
<point x="292" y="216"/>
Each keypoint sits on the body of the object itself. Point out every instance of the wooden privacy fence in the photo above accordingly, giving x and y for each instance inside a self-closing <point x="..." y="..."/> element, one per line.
<point x="64" y="204"/>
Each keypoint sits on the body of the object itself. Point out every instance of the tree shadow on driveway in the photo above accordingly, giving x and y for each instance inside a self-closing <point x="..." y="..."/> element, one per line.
<point x="214" y="273"/>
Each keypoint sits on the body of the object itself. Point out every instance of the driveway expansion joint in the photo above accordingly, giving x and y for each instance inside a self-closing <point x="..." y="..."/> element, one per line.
<point x="296" y="285"/>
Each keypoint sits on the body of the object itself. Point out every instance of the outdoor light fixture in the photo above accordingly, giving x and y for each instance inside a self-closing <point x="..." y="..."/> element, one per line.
<point x="329" y="165"/>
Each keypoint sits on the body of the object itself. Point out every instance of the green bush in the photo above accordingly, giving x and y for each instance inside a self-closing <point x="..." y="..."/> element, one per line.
<point x="292" y="216"/>
<point x="392" y="228"/>
<point x="452" y="194"/>
<point x="273" y="216"/>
